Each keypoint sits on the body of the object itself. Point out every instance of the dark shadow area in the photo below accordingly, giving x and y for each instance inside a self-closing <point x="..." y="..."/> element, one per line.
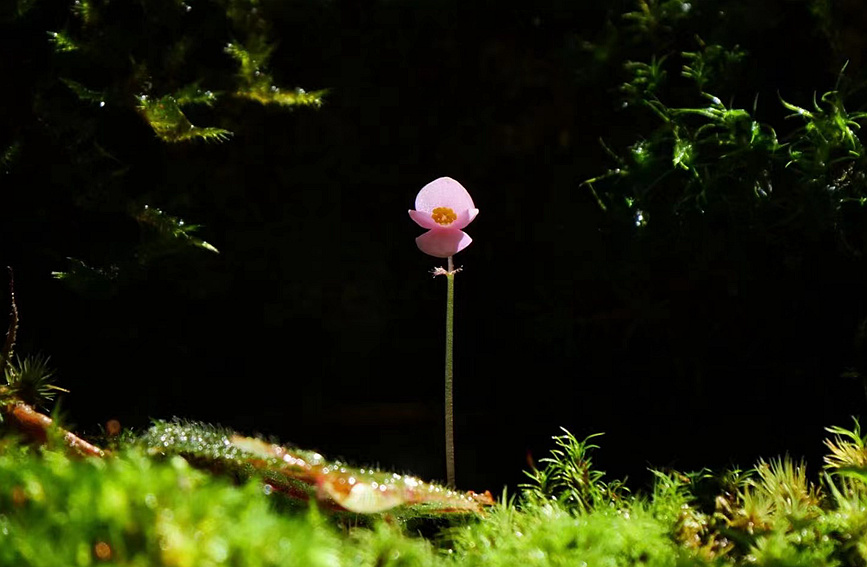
<point x="701" y="344"/>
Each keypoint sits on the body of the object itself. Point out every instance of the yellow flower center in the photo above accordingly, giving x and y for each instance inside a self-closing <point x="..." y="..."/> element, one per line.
<point x="444" y="216"/>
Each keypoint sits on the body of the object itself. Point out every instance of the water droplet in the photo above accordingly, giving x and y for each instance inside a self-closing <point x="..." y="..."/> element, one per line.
<point x="267" y="489"/>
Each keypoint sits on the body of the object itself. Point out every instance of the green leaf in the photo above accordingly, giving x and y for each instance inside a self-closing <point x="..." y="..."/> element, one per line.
<point x="193" y="94"/>
<point x="683" y="154"/>
<point x="172" y="228"/>
<point x="170" y="123"/>
<point x="9" y="156"/>
<point x="273" y="95"/>
<point x="85" y="11"/>
<point x="84" y="93"/>
<point x="62" y="42"/>
<point x="257" y="84"/>
<point x="87" y="279"/>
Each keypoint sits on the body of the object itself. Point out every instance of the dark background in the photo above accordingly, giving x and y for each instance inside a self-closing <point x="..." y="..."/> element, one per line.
<point x="319" y="324"/>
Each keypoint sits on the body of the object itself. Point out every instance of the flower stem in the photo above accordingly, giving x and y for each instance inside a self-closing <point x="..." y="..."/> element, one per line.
<point x="450" y="417"/>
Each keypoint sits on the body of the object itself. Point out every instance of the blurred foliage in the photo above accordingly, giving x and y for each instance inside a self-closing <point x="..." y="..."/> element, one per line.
<point x="734" y="189"/>
<point x="8" y="157"/>
<point x="696" y="156"/>
<point x="99" y="65"/>
<point x="711" y="156"/>
<point x="132" y="510"/>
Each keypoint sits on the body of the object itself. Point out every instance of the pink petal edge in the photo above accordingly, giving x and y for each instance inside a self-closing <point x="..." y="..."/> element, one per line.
<point x="442" y="243"/>
<point x="464" y="218"/>
<point x="443" y="192"/>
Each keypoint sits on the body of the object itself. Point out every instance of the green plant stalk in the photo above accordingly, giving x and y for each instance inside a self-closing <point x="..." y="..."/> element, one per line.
<point x="449" y="401"/>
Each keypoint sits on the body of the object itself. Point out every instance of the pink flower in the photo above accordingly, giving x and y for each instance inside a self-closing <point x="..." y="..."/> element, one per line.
<point x="444" y="207"/>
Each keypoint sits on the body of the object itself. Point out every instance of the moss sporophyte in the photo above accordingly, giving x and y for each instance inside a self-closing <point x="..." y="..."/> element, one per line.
<point x="444" y="207"/>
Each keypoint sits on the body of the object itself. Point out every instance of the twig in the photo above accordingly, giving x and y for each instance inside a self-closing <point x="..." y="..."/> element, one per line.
<point x="38" y="427"/>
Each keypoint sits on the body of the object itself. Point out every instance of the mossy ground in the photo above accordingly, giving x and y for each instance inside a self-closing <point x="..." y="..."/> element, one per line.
<point x="136" y="508"/>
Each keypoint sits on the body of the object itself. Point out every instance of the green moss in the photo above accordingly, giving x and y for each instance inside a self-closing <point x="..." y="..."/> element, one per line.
<point x="140" y="507"/>
<point x="550" y="535"/>
<point x="133" y="510"/>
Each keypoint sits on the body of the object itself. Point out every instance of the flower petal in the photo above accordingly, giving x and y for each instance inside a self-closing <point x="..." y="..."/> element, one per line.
<point x="423" y="219"/>
<point x="443" y="192"/>
<point x="443" y="242"/>
<point x="464" y="218"/>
